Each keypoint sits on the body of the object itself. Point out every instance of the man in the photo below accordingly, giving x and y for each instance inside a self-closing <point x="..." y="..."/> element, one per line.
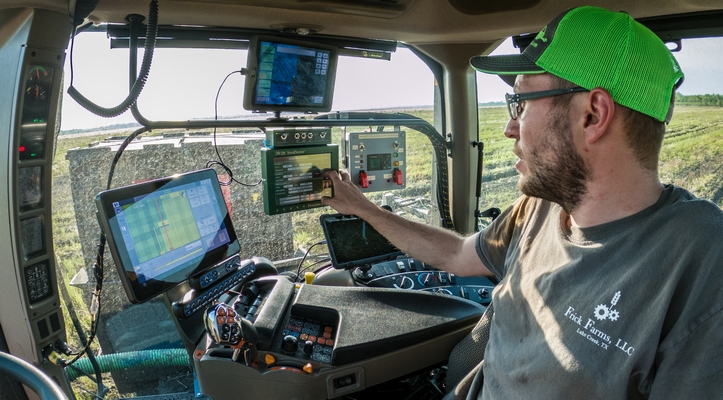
<point x="611" y="280"/>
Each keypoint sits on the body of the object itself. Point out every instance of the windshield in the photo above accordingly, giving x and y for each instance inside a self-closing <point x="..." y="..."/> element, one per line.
<point x="189" y="84"/>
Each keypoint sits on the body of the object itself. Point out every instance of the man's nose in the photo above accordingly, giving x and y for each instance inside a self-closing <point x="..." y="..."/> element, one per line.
<point x="512" y="129"/>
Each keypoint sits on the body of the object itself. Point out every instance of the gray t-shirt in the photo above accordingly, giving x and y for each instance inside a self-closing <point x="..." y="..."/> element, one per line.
<point x="628" y="309"/>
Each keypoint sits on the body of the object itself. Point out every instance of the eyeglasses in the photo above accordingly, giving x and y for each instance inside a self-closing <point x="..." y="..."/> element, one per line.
<point x="515" y="102"/>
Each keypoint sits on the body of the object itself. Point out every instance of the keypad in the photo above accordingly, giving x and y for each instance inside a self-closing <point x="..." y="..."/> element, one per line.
<point x="320" y="334"/>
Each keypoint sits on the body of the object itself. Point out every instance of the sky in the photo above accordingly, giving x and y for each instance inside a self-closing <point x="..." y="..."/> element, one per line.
<point x="183" y="83"/>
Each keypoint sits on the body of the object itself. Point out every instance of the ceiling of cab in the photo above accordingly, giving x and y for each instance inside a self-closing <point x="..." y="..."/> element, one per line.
<point x="409" y="21"/>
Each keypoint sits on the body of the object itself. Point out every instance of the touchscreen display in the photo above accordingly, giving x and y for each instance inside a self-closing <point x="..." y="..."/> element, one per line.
<point x="286" y="74"/>
<point x="291" y="75"/>
<point x="353" y="242"/>
<point x="163" y="232"/>
<point x="294" y="177"/>
<point x="299" y="178"/>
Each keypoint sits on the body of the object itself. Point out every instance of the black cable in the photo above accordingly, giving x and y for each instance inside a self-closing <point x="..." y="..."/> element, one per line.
<point x="316" y="271"/>
<point x="151" y="32"/>
<point x="220" y="162"/>
<point x="298" y="269"/>
<point x="101" y="389"/>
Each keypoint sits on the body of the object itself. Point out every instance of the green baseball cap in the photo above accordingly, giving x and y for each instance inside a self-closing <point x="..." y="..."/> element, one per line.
<point x="593" y="47"/>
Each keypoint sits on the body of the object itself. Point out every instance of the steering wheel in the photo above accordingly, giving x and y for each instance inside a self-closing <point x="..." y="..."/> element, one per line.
<point x="30" y="376"/>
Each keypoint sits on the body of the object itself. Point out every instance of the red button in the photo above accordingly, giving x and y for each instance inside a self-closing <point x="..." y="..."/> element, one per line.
<point x="398" y="177"/>
<point x="363" y="180"/>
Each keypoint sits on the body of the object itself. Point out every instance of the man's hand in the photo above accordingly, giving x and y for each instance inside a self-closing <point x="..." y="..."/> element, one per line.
<point x="348" y="199"/>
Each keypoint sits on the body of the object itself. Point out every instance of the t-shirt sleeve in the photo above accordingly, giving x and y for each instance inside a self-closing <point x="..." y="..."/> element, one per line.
<point x="693" y="367"/>
<point x="494" y="241"/>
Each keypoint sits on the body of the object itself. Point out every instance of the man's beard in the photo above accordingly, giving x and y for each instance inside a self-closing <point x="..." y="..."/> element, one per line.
<point x="556" y="172"/>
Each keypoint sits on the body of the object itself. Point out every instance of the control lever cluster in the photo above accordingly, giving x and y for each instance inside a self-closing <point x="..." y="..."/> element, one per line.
<point x="227" y="328"/>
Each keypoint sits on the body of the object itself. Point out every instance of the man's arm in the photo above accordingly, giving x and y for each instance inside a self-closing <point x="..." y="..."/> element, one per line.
<point x="437" y="247"/>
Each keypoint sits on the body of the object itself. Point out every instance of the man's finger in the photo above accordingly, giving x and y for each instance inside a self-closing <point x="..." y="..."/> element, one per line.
<point x="344" y="176"/>
<point x="332" y="175"/>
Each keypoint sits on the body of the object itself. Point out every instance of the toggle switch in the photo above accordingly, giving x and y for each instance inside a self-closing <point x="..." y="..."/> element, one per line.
<point x="363" y="179"/>
<point x="398" y="179"/>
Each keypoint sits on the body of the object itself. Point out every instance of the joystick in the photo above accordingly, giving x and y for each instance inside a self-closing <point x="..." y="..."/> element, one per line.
<point x="227" y="328"/>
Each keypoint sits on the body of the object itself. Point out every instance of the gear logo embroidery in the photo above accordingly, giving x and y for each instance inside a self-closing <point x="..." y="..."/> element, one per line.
<point x="603" y="312"/>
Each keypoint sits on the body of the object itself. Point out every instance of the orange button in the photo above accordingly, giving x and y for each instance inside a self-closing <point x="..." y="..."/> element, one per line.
<point x="308" y="368"/>
<point x="231" y="313"/>
<point x="329" y="342"/>
<point x="220" y="319"/>
<point x="230" y="320"/>
<point x="221" y="311"/>
<point x="312" y="338"/>
<point x="328" y="329"/>
<point x="321" y="340"/>
<point x="327" y="335"/>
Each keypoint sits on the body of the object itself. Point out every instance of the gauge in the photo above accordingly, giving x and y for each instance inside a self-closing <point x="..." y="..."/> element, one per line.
<point x="30" y="187"/>
<point x="31" y="234"/>
<point x="38" y="85"/>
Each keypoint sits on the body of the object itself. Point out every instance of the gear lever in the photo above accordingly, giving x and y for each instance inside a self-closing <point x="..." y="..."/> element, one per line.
<point x="227" y="328"/>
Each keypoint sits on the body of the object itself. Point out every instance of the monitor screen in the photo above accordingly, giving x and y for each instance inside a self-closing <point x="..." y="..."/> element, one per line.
<point x="289" y="75"/>
<point x="353" y="242"/>
<point x="293" y="177"/>
<point x="165" y="231"/>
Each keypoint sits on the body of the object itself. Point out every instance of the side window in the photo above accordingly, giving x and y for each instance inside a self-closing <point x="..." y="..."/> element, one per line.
<point x="691" y="152"/>
<point x="499" y="180"/>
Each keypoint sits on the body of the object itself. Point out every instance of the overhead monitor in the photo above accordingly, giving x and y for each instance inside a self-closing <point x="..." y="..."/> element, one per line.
<point x="293" y="177"/>
<point x="289" y="75"/>
<point x="165" y="231"/>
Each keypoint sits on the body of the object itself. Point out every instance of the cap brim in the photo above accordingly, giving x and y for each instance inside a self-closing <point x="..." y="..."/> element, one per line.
<point x="509" y="79"/>
<point x="508" y="64"/>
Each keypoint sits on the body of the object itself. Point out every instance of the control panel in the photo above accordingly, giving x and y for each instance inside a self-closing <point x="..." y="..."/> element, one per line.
<point x="376" y="161"/>
<point x="196" y="300"/>
<point x="294" y="137"/>
<point x="308" y="339"/>
<point x="218" y="272"/>
<point x="411" y="274"/>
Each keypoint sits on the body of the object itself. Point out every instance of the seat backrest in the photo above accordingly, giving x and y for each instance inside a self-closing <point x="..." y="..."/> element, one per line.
<point x="470" y="351"/>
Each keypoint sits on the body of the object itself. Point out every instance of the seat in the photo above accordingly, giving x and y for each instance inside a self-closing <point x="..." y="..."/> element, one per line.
<point x="464" y="375"/>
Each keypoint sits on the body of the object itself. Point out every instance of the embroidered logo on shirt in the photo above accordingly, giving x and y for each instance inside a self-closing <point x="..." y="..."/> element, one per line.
<point x="603" y="312"/>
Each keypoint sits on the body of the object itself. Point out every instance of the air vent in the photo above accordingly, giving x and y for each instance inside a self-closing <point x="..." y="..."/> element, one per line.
<point x="368" y="8"/>
<point x="478" y="7"/>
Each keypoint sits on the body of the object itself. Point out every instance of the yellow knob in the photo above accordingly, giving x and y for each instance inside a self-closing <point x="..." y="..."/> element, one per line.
<point x="309" y="277"/>
<point x="269" y="359"/>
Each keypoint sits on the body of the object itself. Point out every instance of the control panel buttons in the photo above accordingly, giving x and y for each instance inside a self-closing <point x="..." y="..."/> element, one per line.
<point x="428" y="279"/>
<point x="403" y="282"/>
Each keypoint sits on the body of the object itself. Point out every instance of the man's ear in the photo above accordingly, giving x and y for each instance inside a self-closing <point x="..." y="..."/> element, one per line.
<point x="599" y="113"/>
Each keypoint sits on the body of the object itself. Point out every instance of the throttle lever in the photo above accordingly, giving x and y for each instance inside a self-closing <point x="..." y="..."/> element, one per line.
<point x="226" y="327"/>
